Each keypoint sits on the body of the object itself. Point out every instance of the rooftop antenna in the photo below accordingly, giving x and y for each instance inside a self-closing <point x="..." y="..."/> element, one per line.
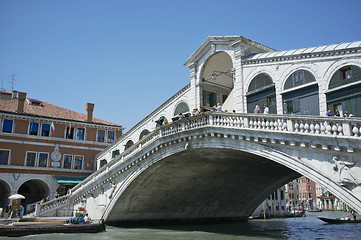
<point x="2" y="87"/>
<point x="12" y="81"/>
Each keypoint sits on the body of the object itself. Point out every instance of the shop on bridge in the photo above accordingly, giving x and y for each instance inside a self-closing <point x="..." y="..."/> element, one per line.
<point x="344" y="91"/>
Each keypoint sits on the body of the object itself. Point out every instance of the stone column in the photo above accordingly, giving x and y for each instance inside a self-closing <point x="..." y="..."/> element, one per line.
<point x="238" y="89"/>
<point x="195" y="97"/>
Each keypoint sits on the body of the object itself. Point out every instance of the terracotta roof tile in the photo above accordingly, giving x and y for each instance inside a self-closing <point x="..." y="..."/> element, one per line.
<point x="47" y="110"/>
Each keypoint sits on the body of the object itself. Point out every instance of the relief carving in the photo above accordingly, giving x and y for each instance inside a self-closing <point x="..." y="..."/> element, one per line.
<point x="344" y="172"/>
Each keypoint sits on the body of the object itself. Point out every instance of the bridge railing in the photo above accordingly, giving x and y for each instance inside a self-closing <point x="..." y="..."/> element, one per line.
<point x="309" y="125"/>
<point x="52" y="204"/>
<point x="288" y="123"/>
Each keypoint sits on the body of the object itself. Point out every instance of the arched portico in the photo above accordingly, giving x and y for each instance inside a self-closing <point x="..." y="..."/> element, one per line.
<point x="34" y="190"/>
<point x="4" y="193"/>
<point x="216" y="80"/>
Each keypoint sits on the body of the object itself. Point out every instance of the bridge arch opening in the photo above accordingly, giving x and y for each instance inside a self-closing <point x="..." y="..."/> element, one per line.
<point x="33" y="191"/>
<point x="4" y="194"/>
<point x="344" y="91"/>
<point x="200" y="184"/>
<point x="261" y="91"/>
<point x="301" y="101"/>
<point x="216" y="80"/>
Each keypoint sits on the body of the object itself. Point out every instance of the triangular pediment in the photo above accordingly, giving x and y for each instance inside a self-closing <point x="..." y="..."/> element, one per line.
<point x="232" y="41"/>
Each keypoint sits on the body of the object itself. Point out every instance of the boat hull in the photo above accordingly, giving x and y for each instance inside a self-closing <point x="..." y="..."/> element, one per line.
<point x="15" y="231"/>
<point x="337" y="220"/>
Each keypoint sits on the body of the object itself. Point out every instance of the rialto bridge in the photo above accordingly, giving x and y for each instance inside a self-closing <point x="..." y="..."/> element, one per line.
<point x="222" y="165"/>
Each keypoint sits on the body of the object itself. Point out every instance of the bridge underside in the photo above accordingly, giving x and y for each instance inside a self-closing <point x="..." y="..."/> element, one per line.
<point x="200" y="185"/>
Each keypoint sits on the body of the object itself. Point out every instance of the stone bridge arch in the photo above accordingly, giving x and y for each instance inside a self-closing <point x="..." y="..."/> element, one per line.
<point x="158" y="167"/>
<point x="231" y="177"/>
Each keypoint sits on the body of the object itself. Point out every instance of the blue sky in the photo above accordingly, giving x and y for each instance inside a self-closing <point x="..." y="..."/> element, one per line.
<point x="127" y="56"/>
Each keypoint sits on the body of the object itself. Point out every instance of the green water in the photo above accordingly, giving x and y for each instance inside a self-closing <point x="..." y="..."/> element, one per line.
<point x="308" y="227"/>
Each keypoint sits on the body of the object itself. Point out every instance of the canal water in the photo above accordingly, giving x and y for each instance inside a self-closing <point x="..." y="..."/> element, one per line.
<point x="308" y="227"/>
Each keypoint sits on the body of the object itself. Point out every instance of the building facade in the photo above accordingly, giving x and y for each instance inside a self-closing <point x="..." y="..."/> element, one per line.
<point x="273" y="206"/>
<point x="328" y="201"/>
<point x="46" y="149"/>
<point x="301" y="194"/>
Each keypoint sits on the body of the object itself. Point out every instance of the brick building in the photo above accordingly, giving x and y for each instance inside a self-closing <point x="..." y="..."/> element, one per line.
<point x="301" y="193"/>
<point x="45" y="148"/>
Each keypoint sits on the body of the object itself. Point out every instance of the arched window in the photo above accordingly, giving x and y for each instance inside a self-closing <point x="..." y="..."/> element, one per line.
<point x="143" y="133"/>
<point x="345" y="75"/>
<point x="102" y="163"/>
<point x="128" y="144"/>
<point x="299" y="78"/>
<point x="344" y="91"/>
<point x="260" y="81"/>
<point x="261" y="91"/>
<point x="182" y="107"/>
<point x="301" y="101"/>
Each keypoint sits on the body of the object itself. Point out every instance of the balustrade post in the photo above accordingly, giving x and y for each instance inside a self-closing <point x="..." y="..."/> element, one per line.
<point x="37" y="210"/>
<point x="211" y="119"/>
<point x="290" y="125"/>
<point x="246" y="122"/>
<point x="346" y="129"/>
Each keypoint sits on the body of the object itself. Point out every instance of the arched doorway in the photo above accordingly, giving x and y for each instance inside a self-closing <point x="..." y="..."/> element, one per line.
<point x="301" y="101"/>
<point x="4" y="194"/>
<point x="344" y="91"/>
<point x="217" y="80"/>
<point x="261" y="91"/>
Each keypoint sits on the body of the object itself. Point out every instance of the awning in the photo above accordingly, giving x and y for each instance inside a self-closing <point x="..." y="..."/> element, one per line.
<point x="68" y="180"/>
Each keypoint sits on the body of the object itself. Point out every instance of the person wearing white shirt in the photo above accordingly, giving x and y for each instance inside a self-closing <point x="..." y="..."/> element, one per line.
<point x="86" y="218"/>
<point x="266" y="109"/>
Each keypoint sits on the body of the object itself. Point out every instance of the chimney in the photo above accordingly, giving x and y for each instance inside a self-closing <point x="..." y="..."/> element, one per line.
<point x="15" y="94"/>
<point x="89" y="112"/>
<point x="21" y="101"/>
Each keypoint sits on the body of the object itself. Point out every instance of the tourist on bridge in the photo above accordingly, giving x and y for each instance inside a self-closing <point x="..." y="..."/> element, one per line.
<point x="257" y="109"/>
<point x="195" y="112"/>
<point x="266" y="109"/>
<point x="218" y="108"/>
